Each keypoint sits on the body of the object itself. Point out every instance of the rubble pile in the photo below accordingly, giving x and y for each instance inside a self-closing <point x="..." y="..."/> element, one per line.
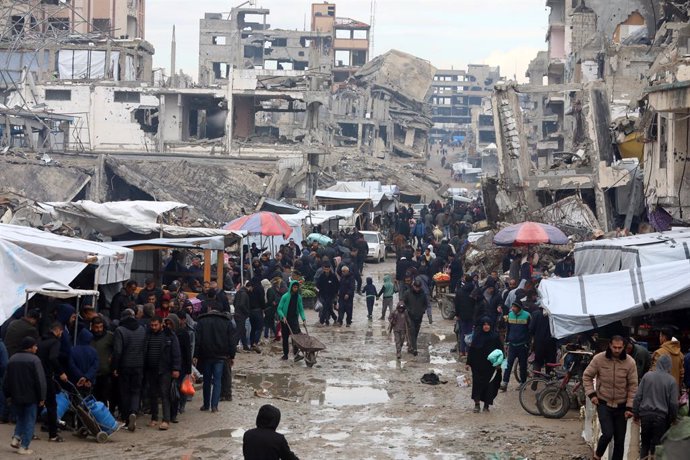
<point x="50" y="181"/>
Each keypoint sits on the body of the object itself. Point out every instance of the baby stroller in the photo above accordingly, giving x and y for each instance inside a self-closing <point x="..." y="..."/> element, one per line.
<point x="92" y="417"/>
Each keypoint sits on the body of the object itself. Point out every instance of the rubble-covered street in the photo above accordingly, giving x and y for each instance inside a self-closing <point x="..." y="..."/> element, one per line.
<point x="358" y="401"/>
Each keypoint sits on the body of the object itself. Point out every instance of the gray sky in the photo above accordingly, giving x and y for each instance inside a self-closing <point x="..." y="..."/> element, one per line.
<point x="448" y="33"/>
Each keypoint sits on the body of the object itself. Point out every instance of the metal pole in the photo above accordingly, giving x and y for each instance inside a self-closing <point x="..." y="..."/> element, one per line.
<point x="76" y="321"/>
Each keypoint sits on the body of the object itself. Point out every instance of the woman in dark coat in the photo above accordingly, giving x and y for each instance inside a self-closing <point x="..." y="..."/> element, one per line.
<point x="485" y="377"/>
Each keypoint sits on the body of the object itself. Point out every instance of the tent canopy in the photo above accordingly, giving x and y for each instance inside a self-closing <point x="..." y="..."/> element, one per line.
<point x="215" y="243"/>
<point x="582" y="303"/>
<point x="356" y="194"/>
<point x="603" y="256"/>
<point x="24" y="273"/>
<point x="114" y="263"/>
<point x="116" y="217"/>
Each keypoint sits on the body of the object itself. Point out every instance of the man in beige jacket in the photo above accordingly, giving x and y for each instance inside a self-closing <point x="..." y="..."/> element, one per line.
<point x="616" y="384"/>
<point x="670" y="346"/>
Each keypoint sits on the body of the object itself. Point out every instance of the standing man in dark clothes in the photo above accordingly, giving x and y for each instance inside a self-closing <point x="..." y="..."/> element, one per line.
<point x="262" y="442"/>
<point x="172" y="323"/>
<point x="465" y="306"/>
<point x="128" y="365"/>
<point x="328" y="286"/>
<point x="25" y="385"/>
<point x="544" y="344"/>
<point x="149" y="289"/>
<point x="362" y="252"/>
<point x="49" y="353"/>
<point x="416" y="302"/>
<point x="346" y="292"/>
<point x="355" y="272"/>
<point x="162" y="365"/>
<point x="656" y="405"/>
<point x="401" y="268"/>
<point x="103" y="344"/>
<point x="257" y="303"/>
<point x="20" y="328"/>
<point x="290" y="310"/>
<point x="123" y="299"/>
<point x="215" y="344"/>
<point x="242" y="310"/>
<point x="517" y="339"/>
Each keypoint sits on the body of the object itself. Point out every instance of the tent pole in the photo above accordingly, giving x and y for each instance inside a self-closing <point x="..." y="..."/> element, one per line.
<point x="242" y="260"/>
<point x="76" y="320"/>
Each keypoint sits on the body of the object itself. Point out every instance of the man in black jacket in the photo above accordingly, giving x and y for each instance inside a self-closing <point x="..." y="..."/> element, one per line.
<point x="20" y="328"/>
<point x="161" y="367"/>
<point x="25" y="386"/>
<point x="122" y="300"/>
<point x="416" y="301"/>
<point x="328" y="286"/>
<point x="215" y="343"/>
<point x="242" y="309"/>
<point x="49" y="354"/>
<point x="346" y="293"/>
<point x="128" y="365"/>
<point x="172" y="323"/>
<point x="262" y="442"/>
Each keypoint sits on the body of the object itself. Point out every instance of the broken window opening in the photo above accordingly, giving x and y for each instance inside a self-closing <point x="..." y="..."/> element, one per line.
<point x="58" y="24"/>
<point x="127" y="96"/>
<point x="305" y="42"/>
<point x="343" y="34"/>
<point x="487" y="137"/>
<point x="360" y="34"/>
<point x="221" y="70"/>
<point x="342" y="58"/>
<point x="285" y="65"/>
<point x="359" y="58"/>
<point x="147" y="119"/>
<point x="349" y="133"/>
<point x="58" y="95"/>
<point x="17" y="24"/>
<point x="663" y="141"/>
<point x="279" y="42"/>
<point x="102" y="26"/>
<point x="271" y="64"/>
<point x="220" y="40"/>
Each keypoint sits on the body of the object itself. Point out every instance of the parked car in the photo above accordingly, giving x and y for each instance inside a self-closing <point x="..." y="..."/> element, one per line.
<point x="377" y="245"/>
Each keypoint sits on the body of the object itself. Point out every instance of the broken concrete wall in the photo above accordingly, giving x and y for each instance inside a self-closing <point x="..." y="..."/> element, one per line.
<point x="38" y="181"/>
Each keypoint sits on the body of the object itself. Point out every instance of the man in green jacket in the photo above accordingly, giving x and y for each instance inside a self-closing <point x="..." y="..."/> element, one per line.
<point x="290" y="310"/>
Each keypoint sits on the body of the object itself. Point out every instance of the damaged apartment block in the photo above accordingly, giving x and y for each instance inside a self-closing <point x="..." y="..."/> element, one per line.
<point x="574" y="130"/>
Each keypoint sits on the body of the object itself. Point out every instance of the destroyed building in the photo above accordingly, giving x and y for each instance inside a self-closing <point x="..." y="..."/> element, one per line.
<point x="383" y="109"/>
<point x="458" y="102"/>
<point x="574" y="129"/>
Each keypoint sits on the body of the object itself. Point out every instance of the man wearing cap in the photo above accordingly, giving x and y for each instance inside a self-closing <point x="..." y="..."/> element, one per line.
<point x="25" y="385"/>
<point x="346" y="292"/>
<point x="416" y="301"/>
<point x="328" y="286"/>
<point x="20" y="328"/>
<point x="517" y="338"/>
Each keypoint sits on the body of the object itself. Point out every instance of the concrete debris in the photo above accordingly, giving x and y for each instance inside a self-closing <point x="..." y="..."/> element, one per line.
<point x="215" y="193"/>
<point x="48" y="182"/>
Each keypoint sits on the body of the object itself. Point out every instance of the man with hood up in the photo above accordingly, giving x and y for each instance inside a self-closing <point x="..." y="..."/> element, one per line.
<point x="346" y="292"/>
<point x="290" y="309"/>
<point x="262" y="442"/>
<point x="387" y="291"/>
<point x="128" y="365"/>
<point x="656" y="405"/>
<point x="670" y="346"/>
<point x="83" y="362"/>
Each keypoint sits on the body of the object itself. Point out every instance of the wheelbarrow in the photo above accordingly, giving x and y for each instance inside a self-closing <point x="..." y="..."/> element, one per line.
<point x="307" y="344"/>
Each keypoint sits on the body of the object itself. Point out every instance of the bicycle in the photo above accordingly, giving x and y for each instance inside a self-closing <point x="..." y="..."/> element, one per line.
<point x="532" y="388"/>
<point x="554" y="400"/>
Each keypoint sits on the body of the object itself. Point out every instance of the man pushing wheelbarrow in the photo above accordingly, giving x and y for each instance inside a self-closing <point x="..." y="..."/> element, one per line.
<point x="290" y="310"/>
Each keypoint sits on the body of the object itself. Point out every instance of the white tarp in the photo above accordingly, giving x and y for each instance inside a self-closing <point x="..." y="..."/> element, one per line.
<point x="81" y="64"/>
<point x="603" y="256"/>
<point x="23" y="270"/>
<point x="114" y="263"/>
<point x="119" y="217"/>
<point x="581" y="303"/>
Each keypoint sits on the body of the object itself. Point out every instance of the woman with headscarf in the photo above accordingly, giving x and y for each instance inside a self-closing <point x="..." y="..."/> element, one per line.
<point x="486" y="378"/>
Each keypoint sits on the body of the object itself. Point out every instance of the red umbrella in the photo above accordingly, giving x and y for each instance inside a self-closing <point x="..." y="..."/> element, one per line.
<point x="263" y="223"/>
<point x="530" y="233"/>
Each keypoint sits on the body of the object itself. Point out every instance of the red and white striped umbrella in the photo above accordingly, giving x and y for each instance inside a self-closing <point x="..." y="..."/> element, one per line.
<point x="528" y="233"/>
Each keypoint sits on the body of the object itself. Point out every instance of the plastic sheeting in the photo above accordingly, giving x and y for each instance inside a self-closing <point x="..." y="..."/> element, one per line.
<point x="114" y="263"/>
<point x="582" y="303"/>
<point x="23" y="270"/>
<point x="81" y="64"/>
<point x="604" y="256"/>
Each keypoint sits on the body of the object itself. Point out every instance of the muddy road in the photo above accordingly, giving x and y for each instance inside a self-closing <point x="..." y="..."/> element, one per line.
<point x="357" y="402"/>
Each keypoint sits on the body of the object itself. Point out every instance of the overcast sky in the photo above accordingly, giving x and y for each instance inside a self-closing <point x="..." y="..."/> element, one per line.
<point x="448" y="33"/>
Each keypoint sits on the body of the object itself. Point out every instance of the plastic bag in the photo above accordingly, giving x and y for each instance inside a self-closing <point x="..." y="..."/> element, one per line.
<point x="174" y="391"/>
<point x="187" y="388"/>
<point x="468" y="339"/>
<point x="318" y="306"/>
<point x="463" y="381"/>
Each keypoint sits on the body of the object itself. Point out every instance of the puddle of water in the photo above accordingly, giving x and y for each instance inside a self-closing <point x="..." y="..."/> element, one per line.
<point x="440" y="360"/>
<point x="280" y="385"/>
<point x="238" y="433"/>
<point x="350" y="393"/>
<point x="335" y="436"/>
<point x="219" y="434"/>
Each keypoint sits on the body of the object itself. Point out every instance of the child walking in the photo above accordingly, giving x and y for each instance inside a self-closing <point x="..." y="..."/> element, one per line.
<point x="387" y="291"/>
<point x="398" y="324"/>
<point x="370" y="292"/>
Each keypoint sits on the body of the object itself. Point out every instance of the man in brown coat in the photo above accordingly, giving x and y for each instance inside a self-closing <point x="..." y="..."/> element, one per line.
<point x="670" y="346"/>
<point x="616" y="375"/>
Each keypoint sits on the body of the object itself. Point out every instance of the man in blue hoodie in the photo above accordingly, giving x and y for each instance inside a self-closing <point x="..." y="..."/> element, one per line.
<point x="83" y="362"/>
<point x="517" y="338"/>
<point x="656" y="405"/>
